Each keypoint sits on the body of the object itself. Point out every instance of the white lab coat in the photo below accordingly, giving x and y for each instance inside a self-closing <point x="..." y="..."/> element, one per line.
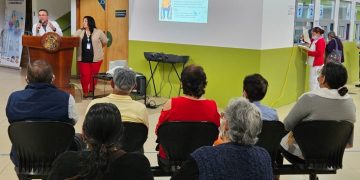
<point x="42" y="31"/>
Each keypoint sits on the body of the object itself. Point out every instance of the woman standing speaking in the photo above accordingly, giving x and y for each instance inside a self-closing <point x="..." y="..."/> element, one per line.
<point x="316" y="54"/>
<point x="90" y="53"/>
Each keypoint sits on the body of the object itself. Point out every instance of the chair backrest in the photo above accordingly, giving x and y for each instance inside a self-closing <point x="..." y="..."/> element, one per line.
<point x="179" y="139"/>
<point x="135" y="135"/>
<point x="322" y="143"/>
<point x="271" y="134"/>
<point x="37" y="144"/>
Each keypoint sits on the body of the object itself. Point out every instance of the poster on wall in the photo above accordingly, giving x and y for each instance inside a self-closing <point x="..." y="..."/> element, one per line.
<point x="10" y="36"/>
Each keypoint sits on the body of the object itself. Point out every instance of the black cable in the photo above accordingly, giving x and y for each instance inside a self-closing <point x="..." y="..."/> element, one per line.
<point x="162" y="80"/>
<point x="171" y="86"/>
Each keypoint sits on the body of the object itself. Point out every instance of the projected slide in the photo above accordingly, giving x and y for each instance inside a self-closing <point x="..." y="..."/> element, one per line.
<point x="192" y="11"/>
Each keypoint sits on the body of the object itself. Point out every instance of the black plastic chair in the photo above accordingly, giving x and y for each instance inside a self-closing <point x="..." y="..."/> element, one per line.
<point x="37" y="145"/>
<point x="180" y="139"/>
<point x="271" y="134"/>
<point x="322" y="144"/>
<point x="135" y="135"/>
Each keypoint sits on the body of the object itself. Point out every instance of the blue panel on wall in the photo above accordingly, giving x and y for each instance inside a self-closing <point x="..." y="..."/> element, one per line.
<point x="102" y="3"/>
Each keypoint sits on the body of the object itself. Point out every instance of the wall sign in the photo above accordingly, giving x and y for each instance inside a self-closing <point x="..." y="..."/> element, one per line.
<point x="120" y="13"/>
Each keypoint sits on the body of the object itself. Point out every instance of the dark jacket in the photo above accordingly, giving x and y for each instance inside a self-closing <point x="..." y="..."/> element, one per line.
<point x="38" y="101"/>
<point x="228" y="161"/>
<point x="332" y="45"/>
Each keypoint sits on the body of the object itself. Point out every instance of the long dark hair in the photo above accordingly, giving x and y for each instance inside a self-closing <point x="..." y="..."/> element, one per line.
<point x="91" y="23"/>
<point x="103" y="130"/>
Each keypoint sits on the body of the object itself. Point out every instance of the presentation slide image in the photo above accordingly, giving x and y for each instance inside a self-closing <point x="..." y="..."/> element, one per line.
<point x="192" y="11"/>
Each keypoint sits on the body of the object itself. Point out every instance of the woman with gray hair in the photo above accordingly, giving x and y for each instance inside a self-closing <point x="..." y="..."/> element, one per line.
<point x="131" y="110"/>
<point x="334" y="45"/>
<point x="237" y="158"/>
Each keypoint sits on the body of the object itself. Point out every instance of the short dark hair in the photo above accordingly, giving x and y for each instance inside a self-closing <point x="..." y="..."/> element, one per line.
<point x="47" y="13"/>
<point x="318" y="30"/>
<point x="193" y="80"/>
<point x="91" y="23"/>
<point x="103" y="130"/>
<point x="335" y="76"/>
<point x="255" y="87"/>
<point x="39" y="71"/>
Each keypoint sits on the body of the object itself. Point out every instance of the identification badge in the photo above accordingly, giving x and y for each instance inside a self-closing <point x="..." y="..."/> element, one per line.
<point x="88" y="46"/>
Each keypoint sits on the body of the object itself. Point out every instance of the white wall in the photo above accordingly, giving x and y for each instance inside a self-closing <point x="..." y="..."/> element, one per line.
<point x="277" y="24"/>
<point x="56" y="8"/>
<point x="231" y="23"/>
<point x="2" y="14"/>
<point x="73" y="16"/>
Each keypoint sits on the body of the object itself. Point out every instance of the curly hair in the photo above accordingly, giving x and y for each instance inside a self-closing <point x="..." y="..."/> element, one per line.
<point x="193" y="79"/>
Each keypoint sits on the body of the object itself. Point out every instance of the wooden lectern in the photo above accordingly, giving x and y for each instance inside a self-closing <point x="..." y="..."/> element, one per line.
<point x="57" y="51"/>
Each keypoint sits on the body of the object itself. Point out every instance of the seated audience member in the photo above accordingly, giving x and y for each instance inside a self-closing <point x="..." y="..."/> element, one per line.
<point x="131" y="110"/>
<point x="102" y="130"/>
<point x="237" y="158"/>
<point x="255" y="87"/>
<point x="330" y="102"/>
<point x="190" y="107"/>
<point x="40" y="100"/>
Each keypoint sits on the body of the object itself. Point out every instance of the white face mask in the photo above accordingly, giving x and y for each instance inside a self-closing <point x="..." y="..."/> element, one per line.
<point x="316" y="37"/>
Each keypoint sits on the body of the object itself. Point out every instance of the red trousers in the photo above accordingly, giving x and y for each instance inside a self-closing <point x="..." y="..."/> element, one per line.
<point x="87" y="71"/>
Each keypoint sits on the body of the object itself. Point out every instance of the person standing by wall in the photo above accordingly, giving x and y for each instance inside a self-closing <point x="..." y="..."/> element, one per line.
<point x="334" y="46"/>
<point x="316" y="54"/>
<point x="90" y="53"/>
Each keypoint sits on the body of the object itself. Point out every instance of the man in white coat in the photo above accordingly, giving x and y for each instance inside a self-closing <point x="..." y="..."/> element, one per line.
<point x="45" y="25"/>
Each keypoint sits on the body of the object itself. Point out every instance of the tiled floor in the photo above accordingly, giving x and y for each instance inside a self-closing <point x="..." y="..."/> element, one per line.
<point x="11" y="80"/>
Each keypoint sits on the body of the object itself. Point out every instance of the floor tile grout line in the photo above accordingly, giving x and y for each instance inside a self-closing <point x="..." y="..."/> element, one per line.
<point x="4" y="168"/>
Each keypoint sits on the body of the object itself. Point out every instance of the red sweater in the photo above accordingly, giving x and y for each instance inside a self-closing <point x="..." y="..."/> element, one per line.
<point x="185" y="109"/>
<point x="319" y="52"/>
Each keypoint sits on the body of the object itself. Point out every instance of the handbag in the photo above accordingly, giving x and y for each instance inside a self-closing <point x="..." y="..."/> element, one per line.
<point x="335" y="55"/>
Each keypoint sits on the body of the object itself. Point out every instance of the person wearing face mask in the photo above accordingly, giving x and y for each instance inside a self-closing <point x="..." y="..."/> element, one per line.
<point x="316" y="53"/>
<point x="45" y="25"/>
<point x="90" y="53"/>
<point x="331" y="102"/>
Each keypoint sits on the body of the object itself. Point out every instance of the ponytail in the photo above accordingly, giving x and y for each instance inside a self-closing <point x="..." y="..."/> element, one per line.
<point x="97" y="163"/>
<point x="343" y="91"/>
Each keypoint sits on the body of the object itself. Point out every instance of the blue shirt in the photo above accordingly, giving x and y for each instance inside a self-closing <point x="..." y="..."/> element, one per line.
<point x="267" y="113"/>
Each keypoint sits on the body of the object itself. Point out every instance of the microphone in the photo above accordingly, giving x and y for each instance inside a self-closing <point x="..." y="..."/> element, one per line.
<point x="40" y="22"/>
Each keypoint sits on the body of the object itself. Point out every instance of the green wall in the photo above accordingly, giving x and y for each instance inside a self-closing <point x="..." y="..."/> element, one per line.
<point x="226" y="68"/>
<point x="285" y="70"/>
<point x="64" y="22"/>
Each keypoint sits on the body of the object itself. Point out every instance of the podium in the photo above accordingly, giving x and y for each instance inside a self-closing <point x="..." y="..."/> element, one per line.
<point x="57" y="51"/>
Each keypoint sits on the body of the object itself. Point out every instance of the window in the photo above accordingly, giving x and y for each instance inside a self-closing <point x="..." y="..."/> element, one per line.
<point x="327" y="13"/>
<point x="357" y="23"/>
<point x="304" y="17"/>
<point x="344" y="20"/>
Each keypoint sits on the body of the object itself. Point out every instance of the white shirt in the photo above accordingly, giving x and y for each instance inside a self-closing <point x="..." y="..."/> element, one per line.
<point x="72" y="110"/>
<point x="42" y="31"/>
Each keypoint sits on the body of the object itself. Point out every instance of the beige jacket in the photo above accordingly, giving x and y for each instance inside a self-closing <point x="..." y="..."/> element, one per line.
<point x="99" y="40"/>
